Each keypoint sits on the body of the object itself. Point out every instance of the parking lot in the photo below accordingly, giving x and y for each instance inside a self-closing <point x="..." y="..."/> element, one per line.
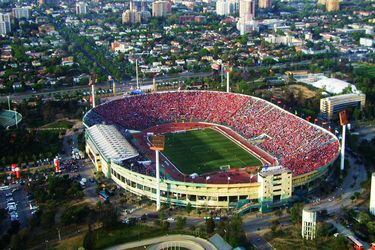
<point x="14" y="199"/>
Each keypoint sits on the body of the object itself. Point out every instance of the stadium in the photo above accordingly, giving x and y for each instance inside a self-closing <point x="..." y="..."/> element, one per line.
<point x="222" y="150"/>
<point x="9" y="118"/>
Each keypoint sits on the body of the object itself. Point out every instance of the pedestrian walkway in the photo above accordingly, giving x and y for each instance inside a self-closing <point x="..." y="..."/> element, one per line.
<point x="177" y="240"/>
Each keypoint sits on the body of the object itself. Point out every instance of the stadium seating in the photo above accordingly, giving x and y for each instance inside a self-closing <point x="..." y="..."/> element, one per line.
<point x="294" y="142"/>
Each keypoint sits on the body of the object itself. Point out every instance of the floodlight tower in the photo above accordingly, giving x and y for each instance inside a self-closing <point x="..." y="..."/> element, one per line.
<point x="15" y="116"/>
<point x="228" y="69"/>
<point x="157" y="145"/>
<point x="154" y="85"/>
<point x="8" y="97"/>
<point x="92" y="83"/>
<point x="343" y="122"/>
<point x="110" y="79"/>
<point x="136" y="72"/>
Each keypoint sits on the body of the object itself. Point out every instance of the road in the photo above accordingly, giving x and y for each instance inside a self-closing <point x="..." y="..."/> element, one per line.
<point x="351" y="184"/>
<point x="258" y="242"/>
<point x="346" y="232"/>
<point x="254" y="225"/>
<point x="121" y="88"/>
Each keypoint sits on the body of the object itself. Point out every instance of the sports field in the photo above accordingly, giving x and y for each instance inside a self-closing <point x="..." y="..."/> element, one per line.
<point x="203" y="151"/>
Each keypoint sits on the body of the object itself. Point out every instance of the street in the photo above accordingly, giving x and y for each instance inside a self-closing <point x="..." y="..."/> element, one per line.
<point x="121" y="87"/>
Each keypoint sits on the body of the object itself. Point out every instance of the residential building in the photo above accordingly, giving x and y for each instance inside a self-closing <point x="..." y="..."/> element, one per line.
<point x="247" y="26"/>
<point x="21" y="12"/>
<point x="81" y="8"/>
<point x="308" y="224"/>
<point x="332" y="5"/>
<point x="247" y="10"/>
<point x="133" y="15"/>
<point x="264" y="4"/>
<point x="4" y="28"/>
<point x="161" y="8"/>
<point x="5" y="23"/>
<point x="226" y="7"/>
<point x="331" y="106"/>
<point x="367" y="42"/>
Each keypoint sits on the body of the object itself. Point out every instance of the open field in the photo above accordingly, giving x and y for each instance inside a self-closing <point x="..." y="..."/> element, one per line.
<point x="203" y="151"/>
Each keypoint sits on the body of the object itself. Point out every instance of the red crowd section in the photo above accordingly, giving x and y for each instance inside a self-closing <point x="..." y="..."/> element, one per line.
<point x="263" y="127"/>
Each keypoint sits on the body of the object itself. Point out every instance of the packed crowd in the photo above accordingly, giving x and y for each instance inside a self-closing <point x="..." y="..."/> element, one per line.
<point x="297" y="144"/>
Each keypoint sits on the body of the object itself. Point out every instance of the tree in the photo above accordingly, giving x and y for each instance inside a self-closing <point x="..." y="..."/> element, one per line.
<point x="108" y="216"/>
<point x="210" y="225"/>
<point x="339" y="242"/>
<point x="296" y="213"/>
<point x="180" y="222"/>
<point x="15" y="243"/>
<point x="236" y="234"/>
<point x="88" y="241"/>
<point x="364" y="217"/>
<point x="47" y="218"/>
<point x="275" y="225"/>
<point x="188" y="208"/>
<point x="278" y="212"/>
<point x="165" y="225"/>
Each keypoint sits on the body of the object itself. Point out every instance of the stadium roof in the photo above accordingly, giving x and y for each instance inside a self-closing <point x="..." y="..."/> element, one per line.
<point x="111" y="143"/>
<point x="220" y="243"/>
<point x="333" y="85"/>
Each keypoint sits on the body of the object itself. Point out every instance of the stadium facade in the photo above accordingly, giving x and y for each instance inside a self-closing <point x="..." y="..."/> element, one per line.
<point x="119" y="156"/>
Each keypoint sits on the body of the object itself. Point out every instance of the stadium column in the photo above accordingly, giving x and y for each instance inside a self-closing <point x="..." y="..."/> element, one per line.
<point x="157" y="180"/>
<point x="343" y="148"/>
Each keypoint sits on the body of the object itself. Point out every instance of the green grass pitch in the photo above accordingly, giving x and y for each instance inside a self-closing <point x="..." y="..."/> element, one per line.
<point x="203" y="151"/>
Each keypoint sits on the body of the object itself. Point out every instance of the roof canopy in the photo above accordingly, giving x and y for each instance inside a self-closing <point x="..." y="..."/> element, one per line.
<point x="111" y="143"/>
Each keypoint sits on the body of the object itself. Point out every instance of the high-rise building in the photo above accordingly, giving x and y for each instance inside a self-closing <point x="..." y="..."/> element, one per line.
<point x="21" y="12"/>
<point x="6" y="17"/>
<point x="81" y="8"/>
<point x="246" y="22"/>
<point x="226" y="7"/>
<point x="372" y="194"/>
<point x="308" y="224"/>
<point x="247" y="10"/>
<point x="265" y="4"/>
<point x="332" y="5"/>
<point x="133" y="15"/>
<point x="161" y="8"/>
<point x="3" y="28"/>
<point x="5" y="23"/>
<point x="331" y="106"/>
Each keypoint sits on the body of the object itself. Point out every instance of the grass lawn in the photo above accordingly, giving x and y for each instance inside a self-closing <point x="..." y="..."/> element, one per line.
<point x="123" y="234"/>
<point x="59" y="124"/>
<point x="202" y="151"/>
<point x="71" y="243"/>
